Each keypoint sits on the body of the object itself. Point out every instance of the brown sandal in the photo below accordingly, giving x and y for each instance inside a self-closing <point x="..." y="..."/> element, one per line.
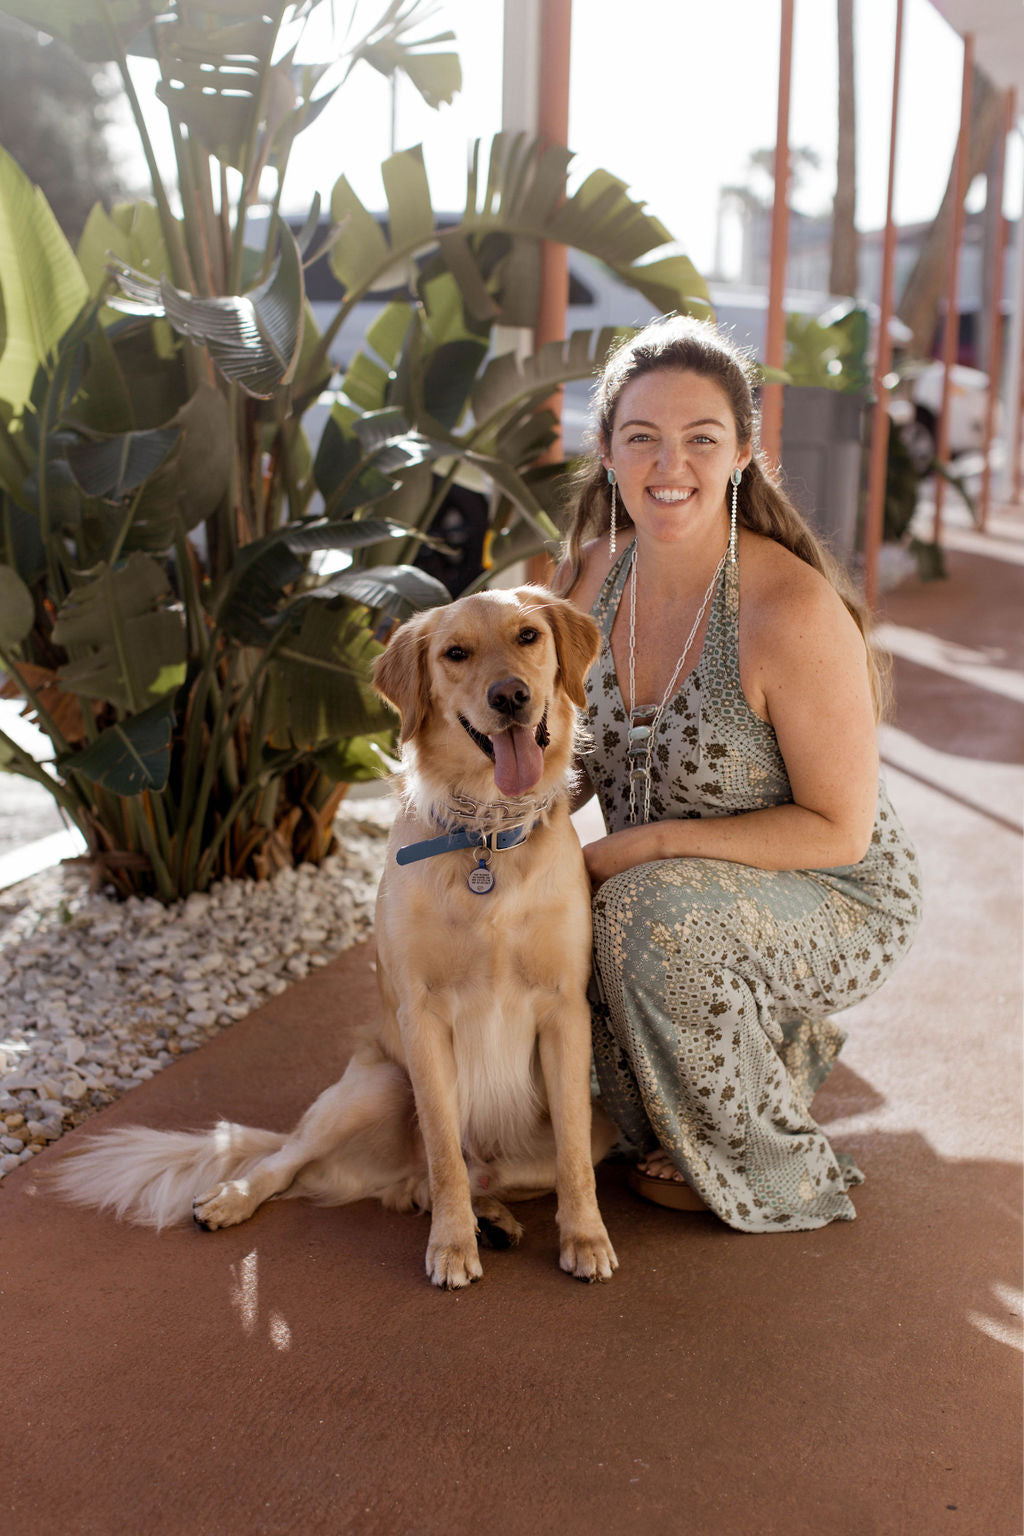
<point x="667" y="1192"/>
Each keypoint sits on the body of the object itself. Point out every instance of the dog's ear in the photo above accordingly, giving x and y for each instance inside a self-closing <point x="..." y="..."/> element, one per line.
<point x="400" y="675"/>
<point x="577" y="642"/>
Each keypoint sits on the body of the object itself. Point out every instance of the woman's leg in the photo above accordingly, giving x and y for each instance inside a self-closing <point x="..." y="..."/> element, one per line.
<point x="699" y="963"/>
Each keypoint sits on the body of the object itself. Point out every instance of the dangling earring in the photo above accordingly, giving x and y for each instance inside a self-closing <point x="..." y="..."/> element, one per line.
<point x="735" y="477"/>
<point x="611" y="526"/>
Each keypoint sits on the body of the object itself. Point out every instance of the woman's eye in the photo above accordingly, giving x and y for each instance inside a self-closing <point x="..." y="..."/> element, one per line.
<point x="456" y="653"/>
<point x="528" y="636"/>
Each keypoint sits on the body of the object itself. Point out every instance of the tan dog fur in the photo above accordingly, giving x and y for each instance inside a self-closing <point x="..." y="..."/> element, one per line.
<point x="474" y="1086"/>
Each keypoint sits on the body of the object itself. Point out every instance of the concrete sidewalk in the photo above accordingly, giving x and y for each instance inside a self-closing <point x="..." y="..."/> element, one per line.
<point x="300" y="1374"/>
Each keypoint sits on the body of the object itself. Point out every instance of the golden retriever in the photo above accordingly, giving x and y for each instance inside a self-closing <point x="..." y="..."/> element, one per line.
<point x="474" y="1087"/>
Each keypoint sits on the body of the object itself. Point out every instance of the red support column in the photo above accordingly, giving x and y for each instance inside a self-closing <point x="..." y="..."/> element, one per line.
<point x="995" y="318"/>
<point x="951" y="332"/>
<point x="775" y="343"/>
<point x="875" y="513"/>
<point x="553" y="126"/>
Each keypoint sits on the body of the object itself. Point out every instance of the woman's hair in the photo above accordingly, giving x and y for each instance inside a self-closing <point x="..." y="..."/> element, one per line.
<point x="683" y="344"/>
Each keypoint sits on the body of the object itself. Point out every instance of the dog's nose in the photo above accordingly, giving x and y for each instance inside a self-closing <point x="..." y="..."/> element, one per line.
<point x="509" y="697"/>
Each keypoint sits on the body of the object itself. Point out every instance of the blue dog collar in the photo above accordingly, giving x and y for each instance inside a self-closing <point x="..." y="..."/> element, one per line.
<point x="464" y="837"/>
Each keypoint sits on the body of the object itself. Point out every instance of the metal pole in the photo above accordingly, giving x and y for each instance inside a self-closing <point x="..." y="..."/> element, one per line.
<point x="1009" y="486"/>
<point x="875" y="513"/>
<point x="775" y="342"/>
<point x="995" y="319"/>
<point x="951" y="333"/>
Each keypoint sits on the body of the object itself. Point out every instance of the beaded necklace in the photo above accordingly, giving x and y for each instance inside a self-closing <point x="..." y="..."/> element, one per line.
<point x="641" y="736"/>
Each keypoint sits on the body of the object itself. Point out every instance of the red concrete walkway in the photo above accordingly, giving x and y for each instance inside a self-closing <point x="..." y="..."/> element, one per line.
<point x="299" y="1374"/>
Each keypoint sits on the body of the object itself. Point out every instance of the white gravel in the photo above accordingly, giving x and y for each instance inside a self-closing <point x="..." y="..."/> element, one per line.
<point x="98" y="995"/>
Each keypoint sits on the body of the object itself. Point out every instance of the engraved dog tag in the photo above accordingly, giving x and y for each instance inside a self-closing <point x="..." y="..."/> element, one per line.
<point x="480" y="881"/>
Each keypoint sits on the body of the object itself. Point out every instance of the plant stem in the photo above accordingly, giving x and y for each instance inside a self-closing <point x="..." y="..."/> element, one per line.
<point x="50" y="726"/>
<point x="28" y="768"/>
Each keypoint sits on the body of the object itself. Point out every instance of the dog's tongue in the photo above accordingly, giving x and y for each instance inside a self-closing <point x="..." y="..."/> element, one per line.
<point x="518" y="760"/>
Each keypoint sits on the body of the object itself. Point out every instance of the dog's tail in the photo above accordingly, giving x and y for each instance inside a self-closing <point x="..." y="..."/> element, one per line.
<point x="151" y="1177"/>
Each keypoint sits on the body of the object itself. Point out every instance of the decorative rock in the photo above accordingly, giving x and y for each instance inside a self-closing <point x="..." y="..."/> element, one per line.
<point x="99" y="995"/>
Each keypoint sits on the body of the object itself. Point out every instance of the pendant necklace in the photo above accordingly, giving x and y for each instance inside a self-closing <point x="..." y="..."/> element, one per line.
<point x="641" y="736"/>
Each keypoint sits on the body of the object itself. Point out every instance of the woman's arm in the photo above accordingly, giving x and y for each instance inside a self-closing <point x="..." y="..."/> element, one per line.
<point x="810" y="671"/>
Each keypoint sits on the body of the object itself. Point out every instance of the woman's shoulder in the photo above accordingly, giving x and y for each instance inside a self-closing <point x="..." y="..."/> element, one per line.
<point x="597" y="561"/>
<point x="784" y="599"/>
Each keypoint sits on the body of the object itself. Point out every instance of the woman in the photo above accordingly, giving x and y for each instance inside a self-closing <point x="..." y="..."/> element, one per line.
<point x="754" y="878"/>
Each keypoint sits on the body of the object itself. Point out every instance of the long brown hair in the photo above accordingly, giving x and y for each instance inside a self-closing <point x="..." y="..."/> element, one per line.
<point x="686" y="345"/>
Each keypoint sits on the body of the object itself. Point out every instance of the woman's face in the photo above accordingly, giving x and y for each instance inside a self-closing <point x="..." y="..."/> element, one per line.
<point x="673" y="447"/>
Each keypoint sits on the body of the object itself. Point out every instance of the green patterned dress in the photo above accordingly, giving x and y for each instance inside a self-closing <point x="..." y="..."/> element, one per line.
<point x="714" y="981"/>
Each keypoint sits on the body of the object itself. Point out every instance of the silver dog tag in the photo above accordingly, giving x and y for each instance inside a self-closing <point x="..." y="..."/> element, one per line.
<point x="480" y="881"/>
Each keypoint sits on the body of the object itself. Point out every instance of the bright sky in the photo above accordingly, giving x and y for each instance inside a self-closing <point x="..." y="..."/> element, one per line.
<point x="672" y="96"/>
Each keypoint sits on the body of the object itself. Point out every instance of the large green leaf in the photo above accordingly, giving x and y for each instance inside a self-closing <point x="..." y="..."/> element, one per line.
<point x="20" y="542"/>
<point x="358" y="759"/>
<point x="132" y="233"/>
<point x="510" y="382"/>
<point x="130" y="757"/>
<point x="522" y="197"/>
<point x="394" y="590"/>
<point x="265" y="570"/>
<point x="389" y="48"/>
<point x="254" y="338"/>
<point x="218" y="80"/>
<point x="43" y="285"/>
<point x="114" y="467"/>
<point x="17" y="610"/>
<point x="123" y="639"/>
<point x="318" y="689"/>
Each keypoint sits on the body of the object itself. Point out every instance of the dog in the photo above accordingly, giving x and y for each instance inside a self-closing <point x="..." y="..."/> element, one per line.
<point x="474" y="1087"/>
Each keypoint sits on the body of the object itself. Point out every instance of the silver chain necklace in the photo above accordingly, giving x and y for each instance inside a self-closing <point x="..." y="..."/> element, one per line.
<point x="641" y="737"/>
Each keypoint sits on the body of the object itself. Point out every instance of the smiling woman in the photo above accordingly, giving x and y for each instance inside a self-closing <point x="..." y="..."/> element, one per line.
<point x="754" y="877"/>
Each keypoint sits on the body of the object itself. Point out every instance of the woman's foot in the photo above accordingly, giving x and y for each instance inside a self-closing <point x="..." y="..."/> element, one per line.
<point x="657" y="1178"/>
<point x="658" y="1165"/>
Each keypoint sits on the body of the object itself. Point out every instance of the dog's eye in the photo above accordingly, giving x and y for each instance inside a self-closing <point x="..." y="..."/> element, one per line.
<point x="528" y="636"/>
<point x="456" y="653"/>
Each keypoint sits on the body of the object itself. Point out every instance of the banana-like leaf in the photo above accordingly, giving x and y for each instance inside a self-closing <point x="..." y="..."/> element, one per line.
<point x="389" y="48"/>
<point x="359" y="759"/>
<point x="113" y="467"/>
<point x="132" y="233"/>
<point x="218" y="80"/>
<point x="122" y="638"/>
<point x="394" y="590"/>
<point x="266" y="568"/>
<point x="130" y="757"/>
<point x="523" y="195"/>
<point x="318" y="689"/>
<point x="17" y="609"/>
<point x="509" y="382"/>
<point x="189" y="486"/>
<point x="21" y="544"/>
<point x="254" y="338"/>
<point x="43" y="285"/>
<point x="94" y="30"/>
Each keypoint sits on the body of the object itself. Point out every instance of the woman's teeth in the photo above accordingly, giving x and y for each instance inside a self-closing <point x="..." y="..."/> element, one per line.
<point x="669" y="498"/>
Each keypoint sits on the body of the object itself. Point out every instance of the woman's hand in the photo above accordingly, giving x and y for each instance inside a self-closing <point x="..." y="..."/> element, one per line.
<point x="621" y="850"/>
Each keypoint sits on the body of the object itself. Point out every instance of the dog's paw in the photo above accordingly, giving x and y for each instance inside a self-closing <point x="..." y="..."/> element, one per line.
<point x="453" y="1266"/>
<point x="498" y="1227"/>
<point x="225" y="1206"/>
<point x="588" y="1256"/>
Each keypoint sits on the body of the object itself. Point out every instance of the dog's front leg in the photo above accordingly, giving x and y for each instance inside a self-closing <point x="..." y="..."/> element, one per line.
<point x="452" y="1256"/>
<point x="585" y="1248"/>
